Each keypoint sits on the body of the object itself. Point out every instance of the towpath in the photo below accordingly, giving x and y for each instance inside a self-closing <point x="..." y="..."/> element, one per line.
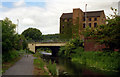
<point x="23" y="67"/>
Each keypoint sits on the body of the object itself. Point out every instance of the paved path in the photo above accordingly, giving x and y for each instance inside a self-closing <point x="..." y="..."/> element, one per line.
<point x="23" y="67"/>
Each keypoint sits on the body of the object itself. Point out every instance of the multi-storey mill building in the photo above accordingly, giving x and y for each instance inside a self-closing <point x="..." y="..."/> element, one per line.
<point x="72" y="24"/>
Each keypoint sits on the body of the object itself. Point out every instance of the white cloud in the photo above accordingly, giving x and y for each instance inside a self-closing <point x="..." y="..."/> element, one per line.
<point x="47" y="18"/>
<point x="20" y="3"/>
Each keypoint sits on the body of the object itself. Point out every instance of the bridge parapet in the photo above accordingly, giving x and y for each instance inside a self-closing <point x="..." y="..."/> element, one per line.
<point x="32" y="46"/>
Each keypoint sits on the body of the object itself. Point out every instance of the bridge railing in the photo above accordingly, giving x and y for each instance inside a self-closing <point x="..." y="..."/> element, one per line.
<point x="47" y="41"/>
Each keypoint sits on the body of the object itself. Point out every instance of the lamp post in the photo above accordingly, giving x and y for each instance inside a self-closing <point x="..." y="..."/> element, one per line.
<point x="119" y="8"/>
<point x="85" y="15"/>
<point x="17" y="25"/>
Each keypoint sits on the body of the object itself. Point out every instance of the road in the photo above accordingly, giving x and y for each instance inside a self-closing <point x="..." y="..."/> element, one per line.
<point x="23" y="67"/>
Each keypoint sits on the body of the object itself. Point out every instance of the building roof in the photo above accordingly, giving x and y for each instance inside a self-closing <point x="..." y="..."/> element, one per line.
<point x="67" y="15"/>
<point x="89" y="14"/>
<point x="93" y="13"/>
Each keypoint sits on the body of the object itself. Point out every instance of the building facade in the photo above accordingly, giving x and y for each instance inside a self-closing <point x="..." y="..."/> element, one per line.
<point x="72" y="24"/>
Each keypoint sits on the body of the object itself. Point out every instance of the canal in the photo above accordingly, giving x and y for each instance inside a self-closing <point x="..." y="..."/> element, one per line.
<point x="66" y="67"/>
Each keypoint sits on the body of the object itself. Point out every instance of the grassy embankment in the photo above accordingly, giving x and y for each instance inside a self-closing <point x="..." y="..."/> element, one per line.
<point x="106" y="60"/>
<point x="43" y="68"/>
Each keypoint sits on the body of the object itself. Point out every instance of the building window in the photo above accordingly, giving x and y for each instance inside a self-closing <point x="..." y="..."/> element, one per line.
<point x="63" y="26"/>
<point x="95" y="25"/>
<point x="95" y="19"/>
<point x="84" y="19"/>
<point x="84" y="25"/>
<point x="65" y="20"/>
<point x="68" y="20"/>
<point x="89" y="19"/>
<point x="90" y="25"/>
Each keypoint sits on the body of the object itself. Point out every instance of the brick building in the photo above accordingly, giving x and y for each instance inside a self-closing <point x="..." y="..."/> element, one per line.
<point x="72" y="24"/>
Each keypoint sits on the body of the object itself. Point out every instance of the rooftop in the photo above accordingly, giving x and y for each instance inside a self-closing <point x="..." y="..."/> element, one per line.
<point x="88" y="13"/>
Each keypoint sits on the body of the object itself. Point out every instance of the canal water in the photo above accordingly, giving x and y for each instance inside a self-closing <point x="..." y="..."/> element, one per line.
<point x="66" y="67"/>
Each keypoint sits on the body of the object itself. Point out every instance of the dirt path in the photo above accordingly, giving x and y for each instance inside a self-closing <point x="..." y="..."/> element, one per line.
<point x="23" y="67"/>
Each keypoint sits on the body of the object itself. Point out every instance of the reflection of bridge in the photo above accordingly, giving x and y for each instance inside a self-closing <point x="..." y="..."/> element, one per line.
<point x="32" y="46"/>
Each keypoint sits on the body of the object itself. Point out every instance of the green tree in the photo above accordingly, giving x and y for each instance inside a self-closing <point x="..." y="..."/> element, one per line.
<point x="8" y="35"/>
<point x="32" y="33"/>
<point x="70" y="47"/>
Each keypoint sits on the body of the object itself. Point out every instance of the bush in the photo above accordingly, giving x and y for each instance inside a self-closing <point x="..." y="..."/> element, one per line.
<point x="100" y="60"/>
<point x="70" y="47"/>
<point x="52" y="68"/>
<point x="9" y="56"/>
<point x="44" y="49"/>
<point x="39" y="62"/>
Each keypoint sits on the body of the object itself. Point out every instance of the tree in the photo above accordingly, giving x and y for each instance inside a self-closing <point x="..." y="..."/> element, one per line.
<point x="8" y="35"/>
<point x="32" y="33"/>
<point x="10" y="39"/>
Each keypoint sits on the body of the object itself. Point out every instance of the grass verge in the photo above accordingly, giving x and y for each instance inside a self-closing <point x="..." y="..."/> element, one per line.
<point x="43" y="68"/>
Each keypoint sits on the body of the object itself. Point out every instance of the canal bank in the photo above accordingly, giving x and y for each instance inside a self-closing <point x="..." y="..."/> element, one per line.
<point x="67" y="67"/>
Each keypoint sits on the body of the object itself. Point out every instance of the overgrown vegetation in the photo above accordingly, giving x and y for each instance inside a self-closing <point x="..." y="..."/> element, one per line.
<point x="12" y="42"/>
<point x="70" y="47"/>
<point x="52" y="68"/>
<point x="44" y="67"/>
<point x="109" y="61"/>
<point x="44" y="49"/>
<point x="66" y="29"/>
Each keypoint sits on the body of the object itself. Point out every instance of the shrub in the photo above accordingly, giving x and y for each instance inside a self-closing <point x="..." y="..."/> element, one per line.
<point x="100" y="60"/>
<point x="44" y="49"/>
<point x="70" y="47"/>
<point x="9" y="56"/>
<point x="52" y="68"/>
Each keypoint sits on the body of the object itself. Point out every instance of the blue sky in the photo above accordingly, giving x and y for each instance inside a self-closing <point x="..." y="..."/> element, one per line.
<point x="28" y="4"/>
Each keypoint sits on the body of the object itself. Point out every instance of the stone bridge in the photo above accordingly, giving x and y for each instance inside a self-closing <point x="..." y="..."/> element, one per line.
<point x="32" y="46"/>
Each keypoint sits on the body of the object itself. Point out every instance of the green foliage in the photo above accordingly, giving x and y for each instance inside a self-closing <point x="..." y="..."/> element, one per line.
<point x="61" y="51"/>
<point x="8" y="35"/>
<point x="109" y="61"/>
<point x="9" y="56"/>
<point x="37" y="54"/>
<point x="51" y="38"/>
<point x="88" y="31"/>
<point x="44" y="49"/>
<point x="11" y="41"/>
<point x="70" y="47"/>
<point x="66" y="32"/>
<point x="75" y="28"/>
<point x="52" y="68"/>
<point x="40" y="63"/>
<point x="32" y="34"/>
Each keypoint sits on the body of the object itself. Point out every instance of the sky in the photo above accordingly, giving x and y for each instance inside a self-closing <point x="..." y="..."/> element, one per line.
<point x="45" y="14"/>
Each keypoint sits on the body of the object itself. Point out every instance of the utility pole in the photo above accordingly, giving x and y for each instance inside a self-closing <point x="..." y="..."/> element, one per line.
<point x="119" y="8"/>
<point x="85" y="15"/>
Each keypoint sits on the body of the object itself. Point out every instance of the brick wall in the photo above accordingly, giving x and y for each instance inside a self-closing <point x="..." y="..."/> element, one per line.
<point x="91" y="45"/>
